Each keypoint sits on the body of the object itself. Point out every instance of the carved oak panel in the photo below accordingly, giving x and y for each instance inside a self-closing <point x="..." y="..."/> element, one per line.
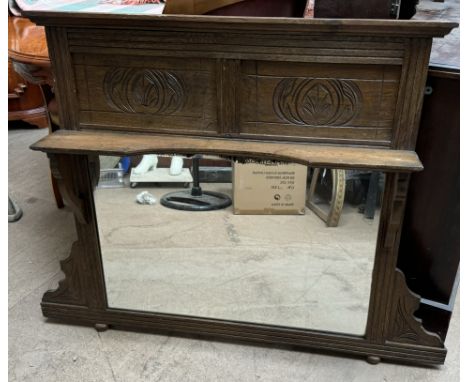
<point x="152" y="95"/>
<point x="319" y="102"/>
<point x="148" y="91"/>
<point x="313" y="101"/>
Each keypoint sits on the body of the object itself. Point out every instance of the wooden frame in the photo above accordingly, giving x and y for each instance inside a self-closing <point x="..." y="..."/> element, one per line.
<point x="232" y="57"/>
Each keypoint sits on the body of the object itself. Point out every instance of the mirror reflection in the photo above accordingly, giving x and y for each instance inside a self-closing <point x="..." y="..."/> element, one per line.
<point x="239" y="239"/>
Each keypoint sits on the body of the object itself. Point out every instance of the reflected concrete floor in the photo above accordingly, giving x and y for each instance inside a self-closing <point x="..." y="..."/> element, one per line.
<point x="286" y="270"/>
<point x="42" y="351"/>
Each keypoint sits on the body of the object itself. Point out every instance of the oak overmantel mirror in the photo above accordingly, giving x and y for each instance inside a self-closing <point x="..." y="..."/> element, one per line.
<point x="334" y="96"/>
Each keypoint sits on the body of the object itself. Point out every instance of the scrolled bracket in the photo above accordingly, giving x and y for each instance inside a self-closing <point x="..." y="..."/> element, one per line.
<point x="61" y="168"/>
<point x="83" y="285"/>
<point x="407" y="328"/>
<point x="404" y="327"/>
<point x="69" y="290"/>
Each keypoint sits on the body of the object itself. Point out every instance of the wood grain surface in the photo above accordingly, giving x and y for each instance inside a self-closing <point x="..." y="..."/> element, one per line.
<point x="266" y="25"/>
<point x="333" y="93"/>
<point x="74" y="142"/>
<point x="27" y="42"/>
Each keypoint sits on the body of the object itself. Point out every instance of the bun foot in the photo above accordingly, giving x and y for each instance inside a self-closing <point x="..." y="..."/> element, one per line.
<point x="101" y="327"/>
<point x="373" y="359"/>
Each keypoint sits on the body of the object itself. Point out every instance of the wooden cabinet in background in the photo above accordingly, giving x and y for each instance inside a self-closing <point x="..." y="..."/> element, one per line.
<point x="25" y="100"/>
<point x="29" y="74"/>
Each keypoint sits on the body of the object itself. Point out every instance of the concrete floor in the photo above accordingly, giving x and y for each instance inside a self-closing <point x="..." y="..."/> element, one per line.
<point x="286" y="270"/>
<point x="45" y="351"/>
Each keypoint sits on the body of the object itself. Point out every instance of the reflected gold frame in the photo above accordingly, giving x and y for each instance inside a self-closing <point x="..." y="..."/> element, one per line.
<point x="332" y="216"/>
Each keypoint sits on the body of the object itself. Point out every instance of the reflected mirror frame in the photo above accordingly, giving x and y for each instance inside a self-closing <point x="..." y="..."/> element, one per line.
<point x="330" y="216"/>
<point x="392" y="331"/>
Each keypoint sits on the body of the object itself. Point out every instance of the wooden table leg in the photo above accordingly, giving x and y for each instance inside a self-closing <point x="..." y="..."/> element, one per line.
<point x="57" y="195"/>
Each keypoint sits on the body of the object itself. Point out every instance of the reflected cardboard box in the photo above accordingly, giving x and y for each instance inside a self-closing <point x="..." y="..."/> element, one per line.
<point x="269" y="188"/>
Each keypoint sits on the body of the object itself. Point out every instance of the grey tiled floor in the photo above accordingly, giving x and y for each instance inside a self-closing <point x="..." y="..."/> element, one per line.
<point x="44" y="351"/>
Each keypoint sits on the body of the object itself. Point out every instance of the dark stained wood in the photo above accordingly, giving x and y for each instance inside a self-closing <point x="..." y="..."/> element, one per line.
<point x="227" y="81"/>
<point x="187" y="88"/>
<point x="175" y="77"/>
<point x="412" y="83"/>
<point x="262" y="8"/>
<point x="293" y="26"/>
<point x="404" y="328"/>
<point x="83" y="286"/>
<point x="194" y="7"/>
<point x="220" y="7"/>
<point x="61" y="66"/>
<point x="56" y="191"/>
<point x="74" y="142"/>
<point x="363" y="97"/>
<point x="250" y="333"/>
<point x="59" y="166"/>
<point x="365" y="9"/>
<point x="231" y="85"/>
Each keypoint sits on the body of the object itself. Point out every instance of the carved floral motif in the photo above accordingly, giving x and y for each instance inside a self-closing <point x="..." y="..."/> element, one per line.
<point x="70" y="288"/>
<point x="151" y="91"/>
<point x="309" y="101"/>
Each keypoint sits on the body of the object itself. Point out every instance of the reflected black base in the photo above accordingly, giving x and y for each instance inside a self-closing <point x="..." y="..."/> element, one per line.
<point x="207" y="201"/>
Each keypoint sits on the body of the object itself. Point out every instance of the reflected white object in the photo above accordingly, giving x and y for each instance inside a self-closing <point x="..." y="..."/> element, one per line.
<point x="149" y="162"/>
<point x="160" y="175"/>
<point x="177" y="163"/>
<point x="146" y="171"/>
<point x="145" y="198"/>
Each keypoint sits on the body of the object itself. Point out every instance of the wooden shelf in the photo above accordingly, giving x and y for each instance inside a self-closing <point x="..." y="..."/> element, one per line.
<point x="79" y="142"/>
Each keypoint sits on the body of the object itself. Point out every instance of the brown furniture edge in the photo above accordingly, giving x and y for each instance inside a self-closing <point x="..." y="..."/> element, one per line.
<point x="373" y="27"/>
<point x="392" y="331"/>
<point x="92" y="143"/>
